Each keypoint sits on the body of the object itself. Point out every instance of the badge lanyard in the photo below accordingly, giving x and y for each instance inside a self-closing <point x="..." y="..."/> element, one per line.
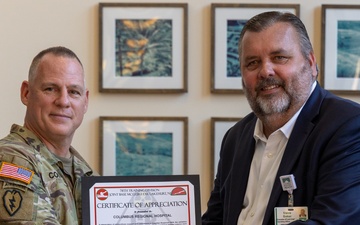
<point x="288" y="184"/>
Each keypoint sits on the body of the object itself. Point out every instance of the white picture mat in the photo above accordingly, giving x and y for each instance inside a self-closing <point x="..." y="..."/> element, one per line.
<point x="110" y="80"/>
<point x="110" y="128"/>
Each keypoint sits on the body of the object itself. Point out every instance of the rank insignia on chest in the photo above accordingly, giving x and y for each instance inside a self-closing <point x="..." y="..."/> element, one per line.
<point x="16" y="172"/>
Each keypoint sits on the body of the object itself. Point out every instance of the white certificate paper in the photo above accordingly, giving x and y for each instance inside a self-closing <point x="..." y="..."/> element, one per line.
<point x="139" y="202"/>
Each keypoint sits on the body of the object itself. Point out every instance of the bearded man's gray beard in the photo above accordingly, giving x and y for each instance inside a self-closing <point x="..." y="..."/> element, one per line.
<point x="269" y="105"/>
<point x="275" y="105"/>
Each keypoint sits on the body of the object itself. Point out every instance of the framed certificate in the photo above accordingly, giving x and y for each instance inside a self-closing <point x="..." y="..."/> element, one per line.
<point x="140" y="200"/>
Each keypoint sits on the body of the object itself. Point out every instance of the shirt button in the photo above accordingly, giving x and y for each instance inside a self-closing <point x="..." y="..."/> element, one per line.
<point x="269" y="155"/>
<point x="252" y="214"/>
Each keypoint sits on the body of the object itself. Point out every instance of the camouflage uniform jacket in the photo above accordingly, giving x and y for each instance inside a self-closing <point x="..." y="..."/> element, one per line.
<point x="34" y="188"/>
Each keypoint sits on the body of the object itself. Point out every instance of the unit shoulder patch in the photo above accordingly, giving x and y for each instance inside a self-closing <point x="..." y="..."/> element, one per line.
<point x="12" y="201"/>
<point x="16" y="205"/>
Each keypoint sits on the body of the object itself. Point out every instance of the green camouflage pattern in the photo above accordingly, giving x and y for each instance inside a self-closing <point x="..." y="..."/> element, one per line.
<point x="50" y="197"/>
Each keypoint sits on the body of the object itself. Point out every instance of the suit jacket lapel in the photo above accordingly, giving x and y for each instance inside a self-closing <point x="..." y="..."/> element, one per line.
<point x="241" y="165"/>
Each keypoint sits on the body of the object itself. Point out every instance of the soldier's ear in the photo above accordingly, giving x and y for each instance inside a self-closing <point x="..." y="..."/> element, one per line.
<point x="24" y="92"/>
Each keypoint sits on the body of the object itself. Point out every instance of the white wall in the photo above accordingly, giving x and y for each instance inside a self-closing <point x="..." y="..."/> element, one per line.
<point x="27" y="27"/>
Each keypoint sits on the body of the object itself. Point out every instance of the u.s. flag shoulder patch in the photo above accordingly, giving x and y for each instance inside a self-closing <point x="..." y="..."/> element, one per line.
<point x="16" y="172"/>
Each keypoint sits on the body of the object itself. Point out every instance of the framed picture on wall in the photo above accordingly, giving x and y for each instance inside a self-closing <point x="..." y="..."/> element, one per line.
<point x="140" y="146"/>
<point x="340" y="37"/>
<point x="143" y="47"/>
<point x="219" y="126"/>
<point x="227" y="21"/>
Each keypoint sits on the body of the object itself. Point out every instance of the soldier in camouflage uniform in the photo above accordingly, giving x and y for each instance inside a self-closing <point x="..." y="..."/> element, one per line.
<point x="39" y="170"/>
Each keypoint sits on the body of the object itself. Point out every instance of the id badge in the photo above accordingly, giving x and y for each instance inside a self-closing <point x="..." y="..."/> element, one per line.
<point x="286" y="215"/>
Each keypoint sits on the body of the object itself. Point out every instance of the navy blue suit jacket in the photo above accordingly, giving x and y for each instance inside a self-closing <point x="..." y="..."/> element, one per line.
<point x="323" y="153"/>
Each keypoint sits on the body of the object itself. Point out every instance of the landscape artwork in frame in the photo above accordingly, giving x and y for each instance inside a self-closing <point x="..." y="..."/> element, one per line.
<point x="143" y="47"/>
<point x="219" y="126"/>
<point x="340" y="69"/>
<point x="227" y="22"/>
<point x="140" y="146"/>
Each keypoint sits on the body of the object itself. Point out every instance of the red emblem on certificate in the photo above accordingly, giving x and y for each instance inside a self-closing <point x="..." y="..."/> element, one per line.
<point x="178" y="191"/>
<point x="102" y="194"/>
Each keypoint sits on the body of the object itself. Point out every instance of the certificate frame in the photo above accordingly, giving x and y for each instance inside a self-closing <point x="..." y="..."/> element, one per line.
<point x="219" y="126"/>
<point x="340" y="68"/>
<point x="140" y="184"/>
<point x="227" y="21"/>
<point x="143" y="47"/>
<point x="133" y="146"/>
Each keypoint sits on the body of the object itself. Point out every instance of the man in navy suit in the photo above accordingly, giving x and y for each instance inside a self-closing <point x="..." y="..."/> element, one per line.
<point x="297" y="129"/>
